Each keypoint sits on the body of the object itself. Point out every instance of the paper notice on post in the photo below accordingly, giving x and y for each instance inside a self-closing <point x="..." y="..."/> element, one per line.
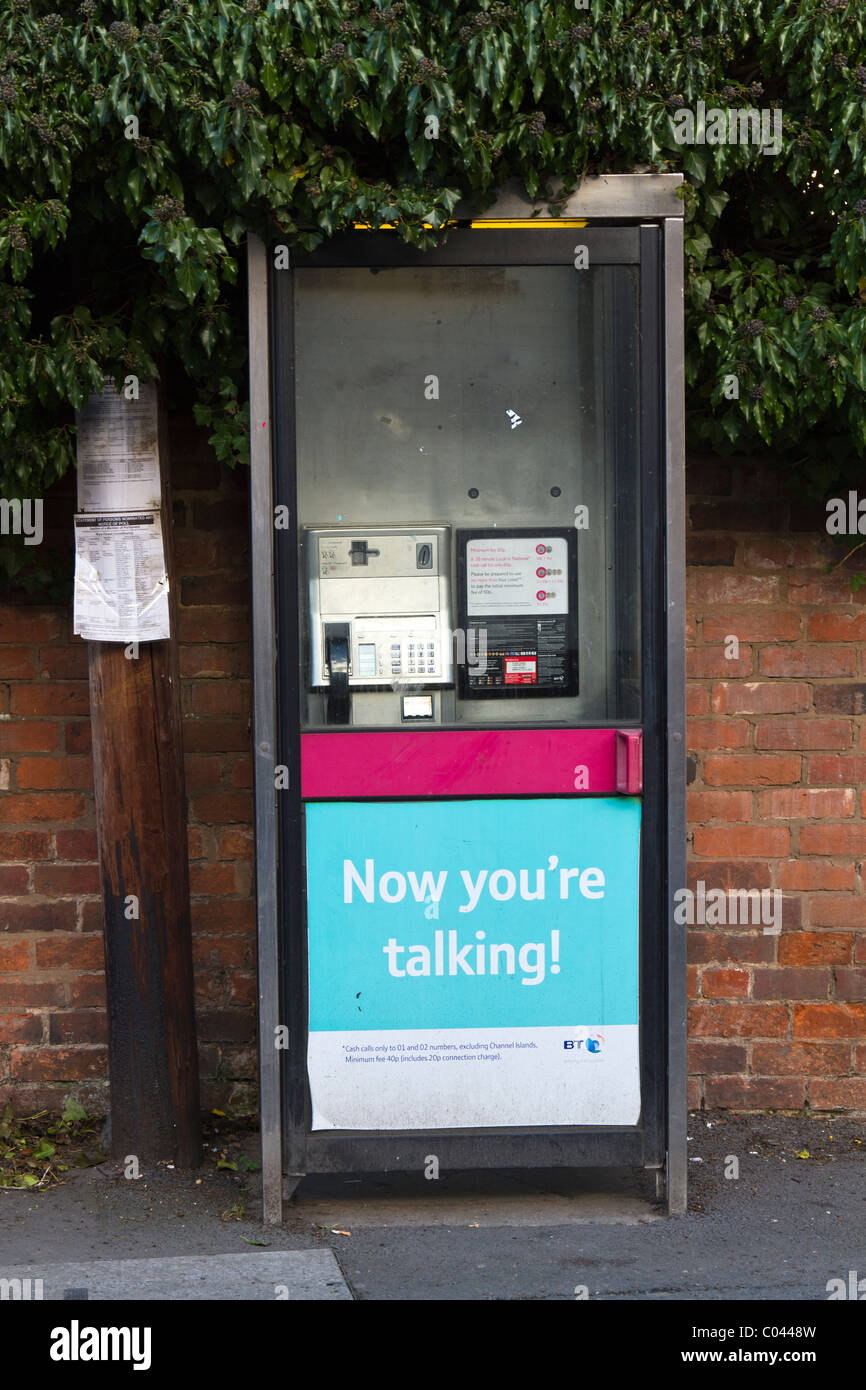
<point x="118" y="452"/>
<point x="121" y="586"/>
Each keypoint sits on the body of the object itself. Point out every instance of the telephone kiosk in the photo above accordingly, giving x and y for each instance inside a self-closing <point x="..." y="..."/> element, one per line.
<point x="473" y="615"/>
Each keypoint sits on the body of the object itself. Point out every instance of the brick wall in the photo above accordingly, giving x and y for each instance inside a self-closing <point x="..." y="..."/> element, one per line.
<point x="777" y="753"/>
<point x="777" y="750"/>
<point x="52" y="998"/>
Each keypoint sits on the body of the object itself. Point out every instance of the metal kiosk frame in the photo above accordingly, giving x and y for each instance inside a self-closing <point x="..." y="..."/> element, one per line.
<point x="512" y="231"/>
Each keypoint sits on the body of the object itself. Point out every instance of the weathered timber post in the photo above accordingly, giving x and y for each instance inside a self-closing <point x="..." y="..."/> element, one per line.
<point x="141" y="825"/>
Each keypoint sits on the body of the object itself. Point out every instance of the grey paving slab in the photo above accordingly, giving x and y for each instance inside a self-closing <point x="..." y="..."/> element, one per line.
<point x="291" y="1275"/>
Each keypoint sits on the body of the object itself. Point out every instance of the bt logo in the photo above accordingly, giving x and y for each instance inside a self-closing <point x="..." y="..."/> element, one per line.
<point x="593" y="1042"/>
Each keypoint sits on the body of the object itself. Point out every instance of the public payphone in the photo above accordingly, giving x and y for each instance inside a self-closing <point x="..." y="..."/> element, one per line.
<point x="476" y="698"/>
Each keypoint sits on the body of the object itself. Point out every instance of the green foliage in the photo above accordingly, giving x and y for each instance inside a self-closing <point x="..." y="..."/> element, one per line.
<point x="140" y="141"/>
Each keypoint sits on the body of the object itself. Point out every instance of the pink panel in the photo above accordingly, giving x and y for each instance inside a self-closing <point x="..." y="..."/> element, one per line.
<point x="456" y="762"/>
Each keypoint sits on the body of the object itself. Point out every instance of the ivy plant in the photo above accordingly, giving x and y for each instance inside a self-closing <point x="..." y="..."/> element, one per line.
<point x="140" y="142"/>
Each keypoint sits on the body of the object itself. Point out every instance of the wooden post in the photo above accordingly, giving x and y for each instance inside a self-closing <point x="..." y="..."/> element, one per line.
<point x="135" y="706"/>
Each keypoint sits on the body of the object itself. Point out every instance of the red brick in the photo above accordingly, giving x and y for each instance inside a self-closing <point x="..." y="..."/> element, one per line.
<point x="63" y="663"/>
<point x="37" y="917"/>
<point x="87" y="991"/>
<point x="212" y="736"/>
<point x="13" y="879"/>
<point x="704" y="662"/>
<point x="737" y="874"/>
<point x="803" y="733"/>
<point x="710" y="550"/>
<point x="40" y="806"/>
<point x="210" y="952"/>
<point x="860" y="1058"/>
<point x="848" y="1093"/>
<point x="834" y="770"/>
<point x="202" y="771"/>
<point x="703" y="806"/>
<point x="833" y="839"/>
<point x="27" y="736"/>
<point x="212" y="878"/>
<point x="697" y="699"/>
<point x="741" y="947"/>
<point x="221" y="697"/>
<point x="82" y="1026"/>
<point x="209" y="661"/>
<point x="61" y="773"/>
<point x="79" y="736"/>
<point x="78" y="845"/>
<point x="738" y="1020"/>
<point x="244" y="989"/>
<point x="92" y="915"/>
<point x="224" y="808"/>
<point x="751" y="770"/>
<point x="724" y="984"/>
<point x="836" y="627"/>
<point x="838" y="912"/>
<point x="788" y="983"/>
<point x="28" y="625"/>
<point x="799" y="1059"/>
<point x="24" y="994"/>
<point x="781" y="553"/>
<point x="14" y="955"/>
<point x="715" y="1057"/>
<point x="221" y="915"/>
<point x="22" y="1028"/>
<point x="226" y="1025"/>
<point x="52" y="697"/>
<point x="67" y="880"/>
<point x="242" y="771"/>
<point x="720" y="586"/>
<point x="717" y="733"/>
<point x="724" y="842"/>
<point x="760" y="697"/>
<point x="694" y="1093"/>
<point x="829" y="1020"/>
<point x="235" y="843"/>
<point x="692" y="982"/>
<point x="214" y="624"/>
<point x="58" y="1064"/>
<point x="754" y="1093"/>
<point x="809" y="662"/>
<point x="823" y="590"/>
<point x="72" y="949"/>
<point x="800" y="802"/>
<point x="814" y="873"/>
<point x="754" y="626"/>
<point x="195" y="551"/>
<point x="860" y="950"/>
<point x="24" y="845"/>
<point x="17" y="664"/>
<point x="850" y="984"/>
<point x="198" y="842"/>
<point x="815" y="948"/>
<point x="849" y="698"/>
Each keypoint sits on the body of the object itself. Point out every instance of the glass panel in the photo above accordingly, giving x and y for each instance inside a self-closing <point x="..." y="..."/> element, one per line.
<point x="468" y="494"/>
